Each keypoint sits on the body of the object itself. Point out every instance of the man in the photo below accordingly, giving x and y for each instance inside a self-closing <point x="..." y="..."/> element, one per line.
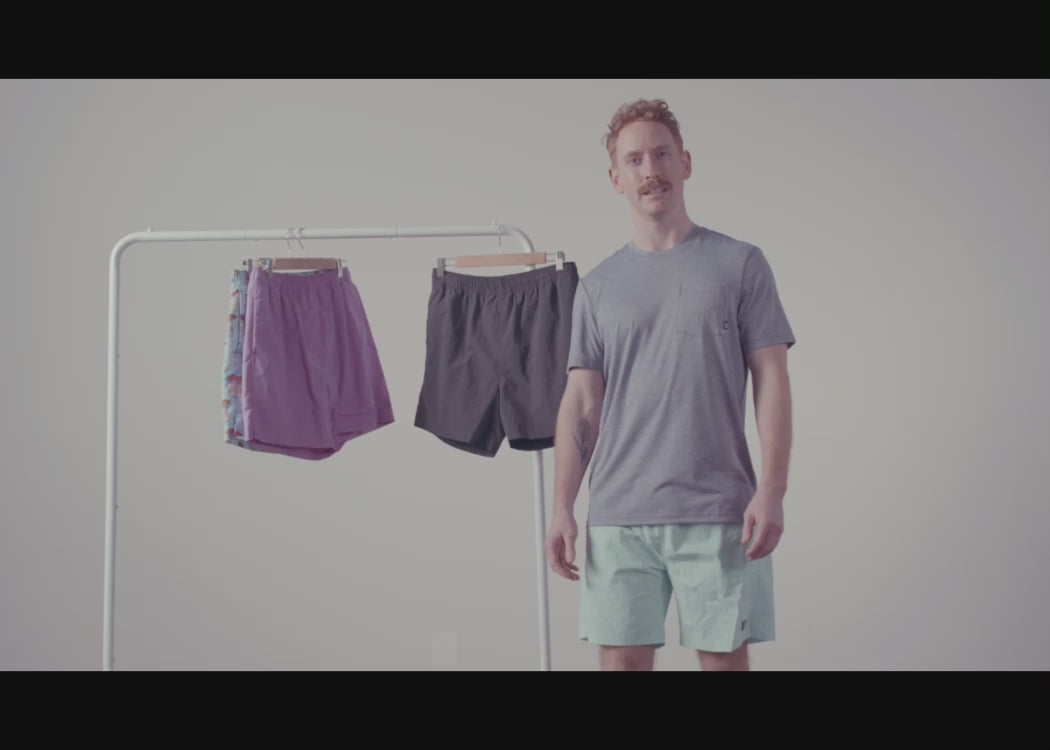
<point x="664" y="333"/>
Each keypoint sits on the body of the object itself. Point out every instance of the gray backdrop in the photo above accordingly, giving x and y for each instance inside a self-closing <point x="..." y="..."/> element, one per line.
<point x="906" y="223"/>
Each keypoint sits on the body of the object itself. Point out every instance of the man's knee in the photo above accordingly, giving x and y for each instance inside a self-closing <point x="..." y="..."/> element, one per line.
<point x="626" y="658"/>
<point x="725" y="661"/>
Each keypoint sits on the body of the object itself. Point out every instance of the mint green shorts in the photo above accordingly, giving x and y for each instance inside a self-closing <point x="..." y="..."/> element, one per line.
<point x="723" y="599"/>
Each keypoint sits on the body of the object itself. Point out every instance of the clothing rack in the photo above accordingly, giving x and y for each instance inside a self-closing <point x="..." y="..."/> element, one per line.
<point x="126" y="242"/>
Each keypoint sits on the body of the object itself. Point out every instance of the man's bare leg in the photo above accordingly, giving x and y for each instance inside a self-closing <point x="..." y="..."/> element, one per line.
<point x="626" y="658"/>
<point x="725" y="661"/>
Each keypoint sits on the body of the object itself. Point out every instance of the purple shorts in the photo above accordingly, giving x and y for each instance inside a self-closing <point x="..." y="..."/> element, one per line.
<point x="311" y="373"/>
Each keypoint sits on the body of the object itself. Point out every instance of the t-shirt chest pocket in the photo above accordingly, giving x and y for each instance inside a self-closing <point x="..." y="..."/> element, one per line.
<point x="703" y="308"/>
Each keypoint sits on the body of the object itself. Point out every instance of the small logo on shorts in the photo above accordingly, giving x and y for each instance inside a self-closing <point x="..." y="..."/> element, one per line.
<point x="743" y="623"/>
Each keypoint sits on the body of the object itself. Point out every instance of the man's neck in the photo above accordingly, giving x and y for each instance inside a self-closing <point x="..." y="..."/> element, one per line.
<point x="650" y="234"/>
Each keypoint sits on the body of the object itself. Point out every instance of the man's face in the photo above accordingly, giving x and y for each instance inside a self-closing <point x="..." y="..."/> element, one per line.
<point x="650" y="170"/>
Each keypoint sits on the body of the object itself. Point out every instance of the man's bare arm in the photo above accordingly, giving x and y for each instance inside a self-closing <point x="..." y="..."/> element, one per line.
<point x="772" y="390"/>
<point x="764" y="515"/>
<point x="575" y="434"/>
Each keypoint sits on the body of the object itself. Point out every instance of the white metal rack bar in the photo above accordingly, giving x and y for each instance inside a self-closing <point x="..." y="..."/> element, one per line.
<point x="494" y="230"/>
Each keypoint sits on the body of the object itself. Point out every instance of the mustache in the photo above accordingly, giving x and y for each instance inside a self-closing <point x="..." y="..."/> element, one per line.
<point x="654" y="183"/>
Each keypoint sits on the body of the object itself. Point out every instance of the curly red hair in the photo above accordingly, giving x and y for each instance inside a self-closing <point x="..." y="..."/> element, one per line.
<point x="642" y="109"/>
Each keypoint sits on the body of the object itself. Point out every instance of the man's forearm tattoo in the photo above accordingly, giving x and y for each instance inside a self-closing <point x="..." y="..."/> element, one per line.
<point x="582" y="438"/>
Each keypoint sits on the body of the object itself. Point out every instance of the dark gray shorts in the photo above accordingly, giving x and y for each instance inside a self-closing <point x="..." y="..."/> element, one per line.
<point x="497" y="347"/>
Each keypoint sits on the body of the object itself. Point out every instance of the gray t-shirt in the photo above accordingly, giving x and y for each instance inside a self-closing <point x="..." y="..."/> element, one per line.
<point x="669" y="330"/>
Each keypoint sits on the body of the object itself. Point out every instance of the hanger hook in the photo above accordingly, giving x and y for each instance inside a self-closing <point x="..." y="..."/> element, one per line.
<point x="288" y="240"/>
<point x="299" y="239"/>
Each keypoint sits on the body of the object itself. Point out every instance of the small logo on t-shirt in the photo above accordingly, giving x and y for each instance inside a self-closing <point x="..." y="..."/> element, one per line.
<point x="743" y="623"/>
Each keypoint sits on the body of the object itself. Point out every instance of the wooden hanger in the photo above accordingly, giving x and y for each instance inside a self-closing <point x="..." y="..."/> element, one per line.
<point x="501" y="259"/>
<point x="293" y="263"/>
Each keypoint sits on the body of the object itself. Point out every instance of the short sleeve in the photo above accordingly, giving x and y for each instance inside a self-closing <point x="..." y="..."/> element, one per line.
<point x="760" y="315"/>
<point x="585" y="343"/>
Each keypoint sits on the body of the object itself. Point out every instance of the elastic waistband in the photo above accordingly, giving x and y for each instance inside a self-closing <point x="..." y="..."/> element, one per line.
<point x="545" y="275"/>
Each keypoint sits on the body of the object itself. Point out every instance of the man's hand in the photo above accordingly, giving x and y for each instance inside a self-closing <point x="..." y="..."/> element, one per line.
<point x="560" y="546"/>
<point x="765" y="516"/>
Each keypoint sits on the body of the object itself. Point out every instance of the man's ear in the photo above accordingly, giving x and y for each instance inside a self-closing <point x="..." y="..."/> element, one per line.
<point x="614" y="178"/>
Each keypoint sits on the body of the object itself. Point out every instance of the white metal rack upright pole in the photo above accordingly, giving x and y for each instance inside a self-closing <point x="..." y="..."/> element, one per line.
<point x="129" y="240"/>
